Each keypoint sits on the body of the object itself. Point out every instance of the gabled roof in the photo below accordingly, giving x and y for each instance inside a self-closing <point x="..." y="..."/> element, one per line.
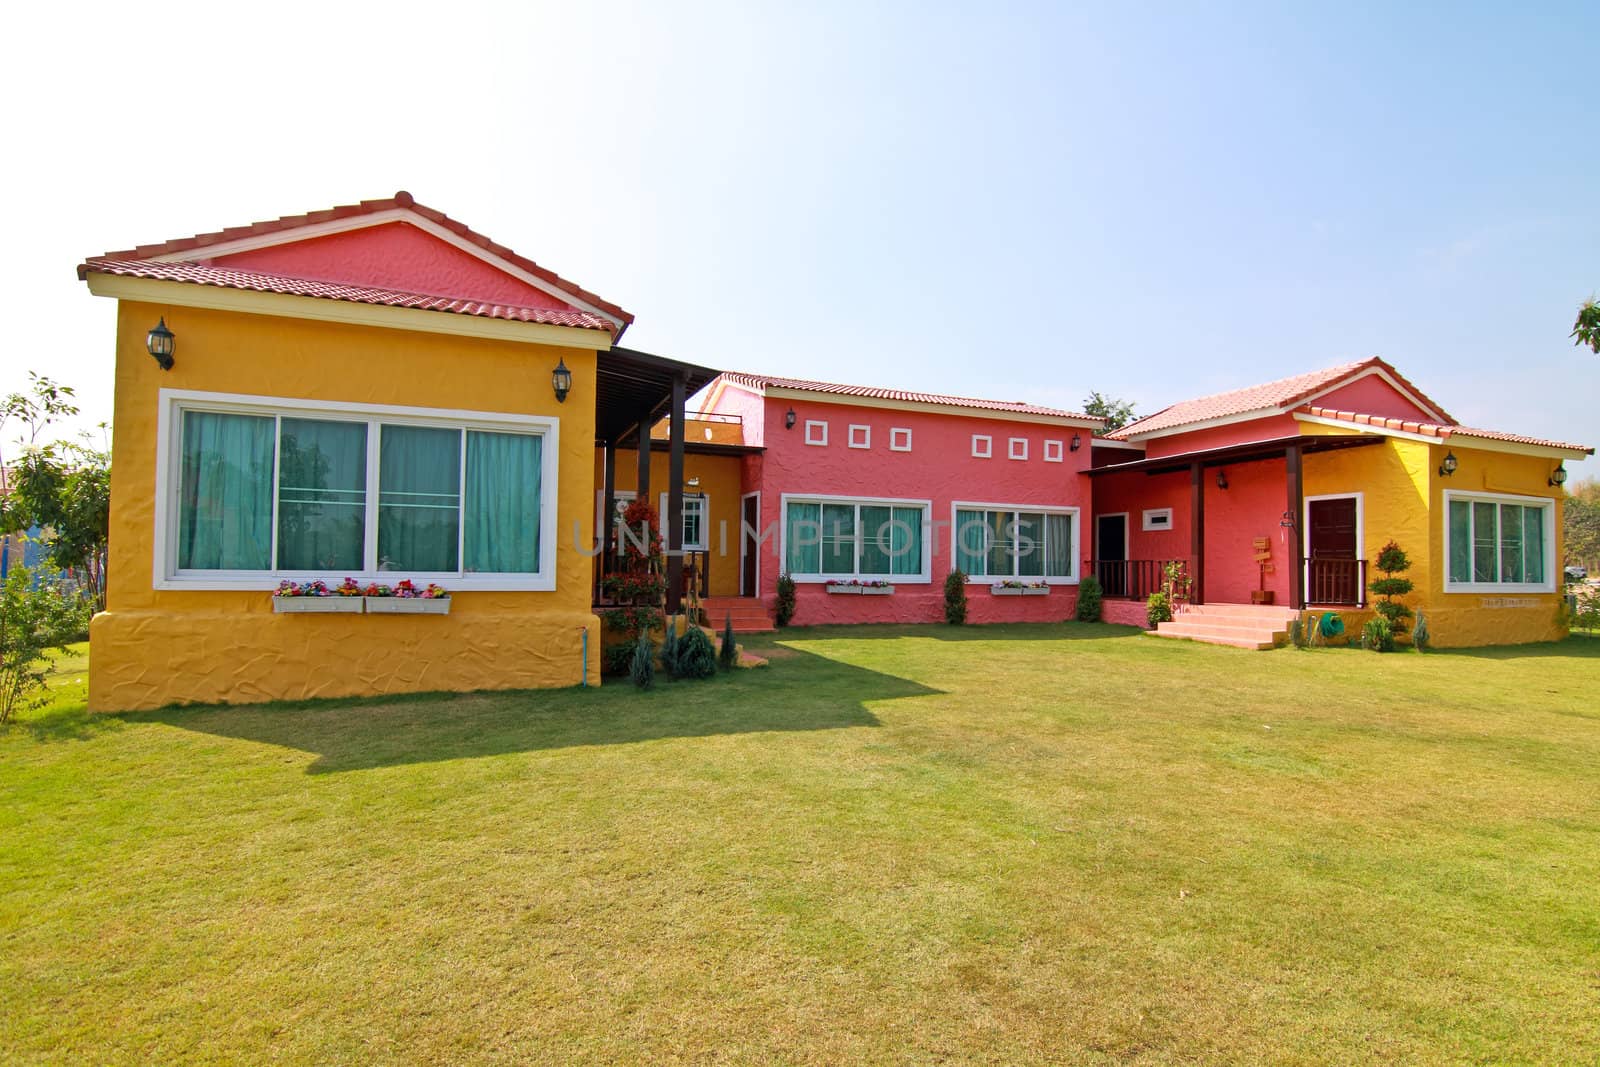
<point x="1270" y="398"/>
<point x="260" y="282"/>
<point x="400" y="207"/>
<point x="763" y="382"/>
<point x="1441" y="433"/>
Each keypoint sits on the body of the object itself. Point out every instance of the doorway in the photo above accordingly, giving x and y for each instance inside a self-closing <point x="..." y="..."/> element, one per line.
<point x="1334" y="568"/>
<point x="1111" y="553"/>
<point x="749" y="547"/>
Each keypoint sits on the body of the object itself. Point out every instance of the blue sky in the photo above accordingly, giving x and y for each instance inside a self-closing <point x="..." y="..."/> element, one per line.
<point x="1017" y="202"/>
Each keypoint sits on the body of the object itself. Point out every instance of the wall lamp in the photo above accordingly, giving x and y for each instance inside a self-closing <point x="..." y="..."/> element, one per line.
<point x="788" y="419"/>
<point x="1558" y="477"/>
<point x="561" y="379"/>
<point x="1222" y="478"/>
<point x="1077" y="442"/>
<point x="1448" y="467"/>
<point x="160" y="342"/>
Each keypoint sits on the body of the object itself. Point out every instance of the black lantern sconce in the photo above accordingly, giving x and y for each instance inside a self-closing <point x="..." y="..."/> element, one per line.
<point x="160" y="342"/>
<point x="561" y="379"/>
<point x="1558" y="477"/>
<point x="1448" y="467"/>
<point x="1077" y="442"/>
<point x="788" y="419"/>
<point x="1222" y="478"/>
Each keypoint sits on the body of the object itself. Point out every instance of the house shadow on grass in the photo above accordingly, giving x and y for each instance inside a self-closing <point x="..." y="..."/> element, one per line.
<point x="1070" y="630"/>
<point x="1578" y="646"/>
<point x="804" y="692"/>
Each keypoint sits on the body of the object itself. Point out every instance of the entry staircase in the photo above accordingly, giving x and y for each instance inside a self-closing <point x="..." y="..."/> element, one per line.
<point x="749" y="614"/>
<point x="1257" y="626"/>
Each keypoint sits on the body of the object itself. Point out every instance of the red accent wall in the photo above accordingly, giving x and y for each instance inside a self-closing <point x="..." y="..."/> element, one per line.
<point x="1133" y="493"/>
<point x="1250" y="507"/>
<point x="1239" y="433"/>
<point x="394" y="256"/>
<point x="1372" y="396"/>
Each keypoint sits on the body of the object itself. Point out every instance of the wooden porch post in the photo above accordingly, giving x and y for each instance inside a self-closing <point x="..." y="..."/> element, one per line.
<point x="608" y="516"/>
<point x="643" y="488"/>
<point x="1197" y="533"/>
<point x="674" y="516"/>
<point x="1291" y="458"/>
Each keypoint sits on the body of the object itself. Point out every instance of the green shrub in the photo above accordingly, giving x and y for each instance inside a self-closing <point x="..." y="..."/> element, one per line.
<point x="955" y="598"/>
<point x="1297" y="632"/>
<point x="728" y="659"/>
<point x="617" y="659"/>
<point x="35" y="618"/>
<point x="1421" y="635"/>
<point x="1158" y="609"/>
<point x="669" y="648"/>
<point x="697" y="657"/>
<point x="643" y="667"/>
<point x="1377" y="635"/>
<point x="783" y="610"/>
<point x="1392" y="560"/>
<point x="1089" y="598"/>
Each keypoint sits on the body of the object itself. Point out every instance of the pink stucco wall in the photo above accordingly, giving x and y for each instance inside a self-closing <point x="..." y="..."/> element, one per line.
<point x="1238" y="433"/>
<point x="1132" y="494"/>
<point x="393" y="256"/>
<point x="1372" y="396"/>
<point x="749" y="407"/>
<point x="939" y="468"/>
<point x="1250" y="507"/>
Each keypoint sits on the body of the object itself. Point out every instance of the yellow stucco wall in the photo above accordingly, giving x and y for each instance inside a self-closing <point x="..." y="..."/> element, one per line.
<point x="156" y="647"/>
<point x="719" y="480"/>
<point x="1403" y="500"/>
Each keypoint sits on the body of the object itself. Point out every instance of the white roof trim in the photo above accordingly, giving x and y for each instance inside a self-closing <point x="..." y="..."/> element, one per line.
<point x="1449" y="435"/>
<point x="774" y="392"/>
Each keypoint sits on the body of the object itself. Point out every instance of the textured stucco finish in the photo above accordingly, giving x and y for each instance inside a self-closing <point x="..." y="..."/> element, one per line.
<point x="155" y="647"/>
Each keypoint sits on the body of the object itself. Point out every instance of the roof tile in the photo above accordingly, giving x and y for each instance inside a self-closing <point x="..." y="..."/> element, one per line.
<point x="1442" y="433"/>
<point x="763" y="381"/>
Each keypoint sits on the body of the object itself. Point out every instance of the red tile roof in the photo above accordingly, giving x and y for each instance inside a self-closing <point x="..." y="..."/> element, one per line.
<point x="198" y="274"/>
<point x="1016" y="407"/>
<point x="400" y="200"/>
<point x="1443" y="433"/>
<point x="1269" y="398"/>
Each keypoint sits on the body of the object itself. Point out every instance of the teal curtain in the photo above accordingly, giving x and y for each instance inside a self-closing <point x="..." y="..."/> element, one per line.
<point x="500" y="528"/>
<point x="1460" y="541"/>
<point x="225" y="495"/>
<point x="1002" y="563"/>
<point x="877" y="537"/>
<point x="322" y="495"/>
<point x="1030" y="544"/>
<point x="1533" y="544"/>
<point x="1058" y="546"/>
<point x="419" y="498"/>
<point x="1485" y="543"/>
<point x="1511" y="543"/>
<point x="838" y="539"/>
<point x="803" y="538"/>
<point x="972" y="538"/>
<point x="905" y="546"/>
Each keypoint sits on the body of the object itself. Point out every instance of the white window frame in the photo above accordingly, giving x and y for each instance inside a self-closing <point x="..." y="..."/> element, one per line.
<point x="171" y="404"/>
<point x="924" y="577"/>
<point x="1013" y="452"/>
<point x="958" y="506"/>
<point x="1054" y="451"/>
<point x="703" y="502"/>
<point x="985" y="442"/>
<point x="1552" y="565"/>
<point x="866" y="436"/>
<point x="900" y="439"/>
<point x="1146" y="519"/>
<point x="817" y="424"/>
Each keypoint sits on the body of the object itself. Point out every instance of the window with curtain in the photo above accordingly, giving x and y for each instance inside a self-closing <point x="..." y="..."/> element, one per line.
<point x="1498" y="542"/>
<point x="854" y="539"/>
<point x="258" y="493"/>
<point x="1019" y="543"/>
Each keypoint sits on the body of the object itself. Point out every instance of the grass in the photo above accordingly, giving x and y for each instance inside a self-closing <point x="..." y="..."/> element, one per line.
<point x="925" y="844"/>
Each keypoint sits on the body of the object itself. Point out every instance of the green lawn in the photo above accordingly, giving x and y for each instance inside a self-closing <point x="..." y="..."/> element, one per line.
<point x="1004" y="844"/>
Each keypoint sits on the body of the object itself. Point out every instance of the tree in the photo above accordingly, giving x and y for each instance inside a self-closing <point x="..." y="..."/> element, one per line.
<point x="1586" y="330"/>
<point x="1117" y="413"/>
<point x="1392" y="561"/>
<point x="35" y="618"/>
<point x="1581" y="523"/>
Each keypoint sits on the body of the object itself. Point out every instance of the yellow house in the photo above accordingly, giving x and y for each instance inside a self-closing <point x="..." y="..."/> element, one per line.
<point x="374" y="392"/>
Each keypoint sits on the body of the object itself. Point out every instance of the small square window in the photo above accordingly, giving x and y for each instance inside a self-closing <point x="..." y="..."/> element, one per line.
<point x="1158" y="519"/>
<point x="860" y="436"/>
<point x="982" y="445"/>
<point x="900" y="439"/>
<point x="1052" y="451"/>
<point x="1018" y="448"/>
<point x="816" y="432"/>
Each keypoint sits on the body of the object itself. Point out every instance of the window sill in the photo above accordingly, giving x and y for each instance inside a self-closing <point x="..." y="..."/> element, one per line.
<point x="1496" y="589"/>
<point x="267" y="583"/>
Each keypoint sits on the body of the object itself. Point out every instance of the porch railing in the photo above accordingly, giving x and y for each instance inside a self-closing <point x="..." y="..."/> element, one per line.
<point x="1341" y="582"/>
<point x="1132" y="579"/>
<point x="696" y="575"/>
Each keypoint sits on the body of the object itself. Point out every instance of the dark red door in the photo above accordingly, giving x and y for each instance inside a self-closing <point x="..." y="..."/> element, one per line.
<point x="750" y="513"/>
<point x="1335" y="574"/>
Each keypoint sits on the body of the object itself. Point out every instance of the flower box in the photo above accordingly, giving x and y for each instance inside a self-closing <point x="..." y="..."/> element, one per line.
<point x="1011" y="590"/>
<point x="859" y="590"/>
<point x="407" y="605"/>
<point x="345" y="605"/>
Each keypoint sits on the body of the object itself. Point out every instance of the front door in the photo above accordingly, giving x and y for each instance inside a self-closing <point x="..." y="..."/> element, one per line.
<point x="1332" y="551"/>
<point x="1111" y="554"/>
<point x="750" y="515"/>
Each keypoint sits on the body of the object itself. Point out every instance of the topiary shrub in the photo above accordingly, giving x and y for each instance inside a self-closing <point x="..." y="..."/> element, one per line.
<point x="783" y="610"/>
<point x="955" y="598"/>
<point x="1377" y="635"/>
<point x="1421" y="635"/>
<point x="1089" y="597"/>
<point x="697" y="657"/>
<point x="1392" y="560"/>
<point x="1158" y="609"/>
<point x="643" y="668"/>
<point x="728" y="658"/>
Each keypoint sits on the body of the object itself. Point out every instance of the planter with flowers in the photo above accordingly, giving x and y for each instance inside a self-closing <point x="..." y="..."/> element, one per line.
<point x="406" y="598"/>
<point x="857" y="587"/>
<point x="316" y="597"/>
<point x="1014" y="588"/>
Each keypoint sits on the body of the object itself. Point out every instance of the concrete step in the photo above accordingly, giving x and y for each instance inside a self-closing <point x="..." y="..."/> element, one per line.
<point x="1233" y="622"/>
<point x="1259" y="611"/>
<point x="1213" y="637"/>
